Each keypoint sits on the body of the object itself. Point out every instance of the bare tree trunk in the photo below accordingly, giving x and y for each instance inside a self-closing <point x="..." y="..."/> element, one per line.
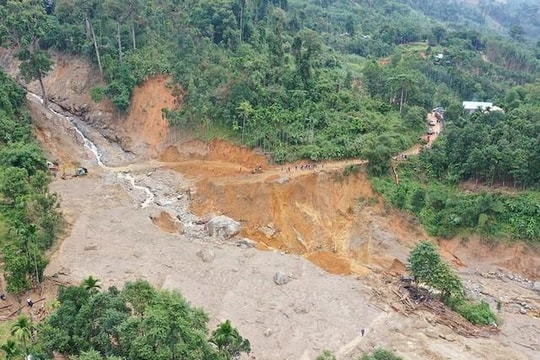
<point x="43" y="92"/>
<point x="133" y="34"/>
<point x="118" y="38"/>
<point x="241" y="22"/>
<point x="401" y="100"/>
<point x="243" y="128"/>
<point x="96" y="47"/>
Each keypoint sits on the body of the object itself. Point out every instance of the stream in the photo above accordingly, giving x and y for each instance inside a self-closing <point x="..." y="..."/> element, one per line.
<point x="124" y="175"/>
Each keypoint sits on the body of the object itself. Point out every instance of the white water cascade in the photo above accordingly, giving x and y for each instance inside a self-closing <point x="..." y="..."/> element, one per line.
<point x="131" y="180"/>
<point x="88" y="144"/>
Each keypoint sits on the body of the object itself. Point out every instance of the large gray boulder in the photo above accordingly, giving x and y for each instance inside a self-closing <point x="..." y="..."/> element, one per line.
<point x="223" y="226"/>
<point x="207" y="255"/>
<point x="280" y="278"/>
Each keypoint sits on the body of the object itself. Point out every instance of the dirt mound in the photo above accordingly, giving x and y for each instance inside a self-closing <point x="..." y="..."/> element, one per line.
<point x="240" y="159"/>
<point x="165" y="222"/>
<point x="517" y="257"/>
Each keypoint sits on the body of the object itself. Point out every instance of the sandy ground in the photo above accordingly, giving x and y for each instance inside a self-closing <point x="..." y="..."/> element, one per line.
<point x="343" y="249"/>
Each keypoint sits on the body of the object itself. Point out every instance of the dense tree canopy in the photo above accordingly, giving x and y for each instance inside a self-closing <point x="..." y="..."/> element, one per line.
<point x="138" y="322"/>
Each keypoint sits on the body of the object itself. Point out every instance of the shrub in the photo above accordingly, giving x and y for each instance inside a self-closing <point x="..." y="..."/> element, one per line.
<point x="98" y="93"/>
<point x="380" y="354"/>
<point x="476" y="313"/>
<point x="326" y="355"/>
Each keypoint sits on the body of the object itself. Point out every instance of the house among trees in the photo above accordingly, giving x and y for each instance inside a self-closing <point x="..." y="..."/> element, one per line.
<point x="472" y="106"/>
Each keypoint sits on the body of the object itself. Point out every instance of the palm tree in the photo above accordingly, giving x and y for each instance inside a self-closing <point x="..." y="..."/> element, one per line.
<point x="11" y="349"/>
<point x="23" y="330"/>
<point x="91" y="284"/>
<point x="229" y="341"/>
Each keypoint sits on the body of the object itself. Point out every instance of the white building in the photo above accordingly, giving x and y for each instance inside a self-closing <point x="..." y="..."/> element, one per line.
<point x="472" y="106"/>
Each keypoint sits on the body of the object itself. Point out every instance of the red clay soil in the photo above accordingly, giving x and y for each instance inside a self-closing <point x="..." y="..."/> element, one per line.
<point x="315" y="213"/>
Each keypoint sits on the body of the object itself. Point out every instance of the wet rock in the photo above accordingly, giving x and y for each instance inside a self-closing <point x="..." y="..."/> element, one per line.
<point x="245" y="243"/>
<point x="179" y="227"/>
<point x="207" y="255"/>
<point x="223" y="226"/>
<point x="281" y="278"/>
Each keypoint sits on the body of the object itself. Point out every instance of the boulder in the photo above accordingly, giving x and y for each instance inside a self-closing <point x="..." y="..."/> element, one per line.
<point x="207" y="255"/>
<point x="223" y="226"/>
<point x="281" y="278"/>
<point x="246" y="243"/>
<point x="536" y="286"/>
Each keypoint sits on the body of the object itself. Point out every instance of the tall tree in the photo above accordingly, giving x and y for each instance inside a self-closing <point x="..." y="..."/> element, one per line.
<point x="35" y="64"/>
<point x="91" y="284"/>
<point x="23" y="330"/>
<point x="28" y="23"/>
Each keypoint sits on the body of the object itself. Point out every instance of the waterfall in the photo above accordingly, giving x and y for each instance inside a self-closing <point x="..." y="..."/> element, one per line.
<point x="88" y="144"/>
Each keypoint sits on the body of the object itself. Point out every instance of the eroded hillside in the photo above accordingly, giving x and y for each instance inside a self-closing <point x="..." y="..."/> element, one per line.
<point x="328" y="215"/>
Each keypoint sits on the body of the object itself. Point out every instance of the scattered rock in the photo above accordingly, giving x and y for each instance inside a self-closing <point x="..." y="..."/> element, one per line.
<point x="431" y="333"/>
<point x="207" y="255"/>
<point x="300" y="309"/>
<point x="167" y="222"/>
<point x="245" y="243"/>
<point x="269" y="230"/>
<point x="179" y="227"/>
<point x="281" y="278"/>
<point x="447" y="337"/>
<point x="223" y="226"/>
<point x="249" y="253"/>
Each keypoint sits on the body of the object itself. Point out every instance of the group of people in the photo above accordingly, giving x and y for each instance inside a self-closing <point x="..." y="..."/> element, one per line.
<point x="310" y="166"/>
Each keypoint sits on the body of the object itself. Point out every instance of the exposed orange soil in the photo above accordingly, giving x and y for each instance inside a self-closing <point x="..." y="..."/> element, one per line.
<point x="146" y="121"/>
<point x="315" y="213"/>
<point x="319" y="213"/>
<point x="165" y="222"/>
